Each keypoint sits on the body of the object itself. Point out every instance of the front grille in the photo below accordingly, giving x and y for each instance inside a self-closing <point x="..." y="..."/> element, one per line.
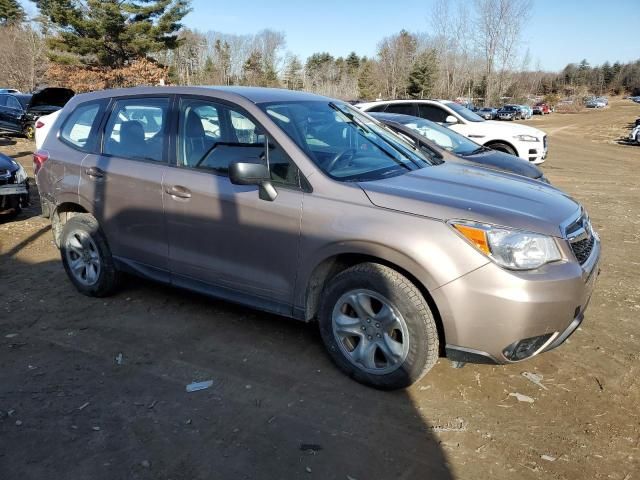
<point x="581" y="237"/>
<point x="582" y="249"/>
<point x="7" y="177"/>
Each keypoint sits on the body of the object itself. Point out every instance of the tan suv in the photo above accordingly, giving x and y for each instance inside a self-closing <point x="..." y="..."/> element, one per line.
<point x="304" y="206"/>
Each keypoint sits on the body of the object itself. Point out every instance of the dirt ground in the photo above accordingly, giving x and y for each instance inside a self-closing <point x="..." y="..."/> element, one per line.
<point x="72" y="408"/>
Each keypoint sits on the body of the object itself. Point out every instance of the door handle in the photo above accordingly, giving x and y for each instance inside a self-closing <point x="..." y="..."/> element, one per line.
<point x="179" y="191"/>
<point x="94" y="172"/>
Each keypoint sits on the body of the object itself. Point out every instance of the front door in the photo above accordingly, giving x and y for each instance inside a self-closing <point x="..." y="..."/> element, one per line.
<point x="222" y="235"/>
<point x="124" y="183"/>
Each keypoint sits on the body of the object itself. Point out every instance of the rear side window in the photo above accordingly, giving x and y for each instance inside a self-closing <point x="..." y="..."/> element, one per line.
<point x="433" y="113"/>
<point x="3" y="100"/>
<point x="77" y="129"/>
<point x="378" y="108"/>
<point x="13" y="103"/>
<point x="137" y="128"/>
<point x="401" y="108"/>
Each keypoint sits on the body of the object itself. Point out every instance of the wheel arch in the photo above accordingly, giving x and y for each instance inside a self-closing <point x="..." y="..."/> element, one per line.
<point x="331" y="266"/>
<point x="504" y="142"/>
<point x="61" y="215"/>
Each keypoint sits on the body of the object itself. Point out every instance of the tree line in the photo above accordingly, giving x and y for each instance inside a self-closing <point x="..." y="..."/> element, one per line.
<point x="471" y="50"/>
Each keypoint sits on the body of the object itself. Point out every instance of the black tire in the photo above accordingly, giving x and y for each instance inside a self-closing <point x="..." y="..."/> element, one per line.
<point x="423" y="342"/>
<point x="502" y="147"/>
<point x="108" y="277"/>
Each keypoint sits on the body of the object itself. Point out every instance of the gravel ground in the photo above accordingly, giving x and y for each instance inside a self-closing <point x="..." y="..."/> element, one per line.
<point x="95" y="388"/>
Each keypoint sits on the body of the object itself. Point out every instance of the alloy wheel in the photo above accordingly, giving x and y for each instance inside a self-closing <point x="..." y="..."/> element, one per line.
<point x="370" y="331"/>
<point x="83" y="257"/>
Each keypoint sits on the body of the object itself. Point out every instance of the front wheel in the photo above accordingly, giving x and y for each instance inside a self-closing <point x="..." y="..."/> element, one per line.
<point x="86" y="256"/>
<point x="377" y="327"/>
<point x="502" y="147"/>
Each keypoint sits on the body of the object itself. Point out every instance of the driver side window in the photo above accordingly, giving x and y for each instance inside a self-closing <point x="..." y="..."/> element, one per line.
<point x="211" y="136"/>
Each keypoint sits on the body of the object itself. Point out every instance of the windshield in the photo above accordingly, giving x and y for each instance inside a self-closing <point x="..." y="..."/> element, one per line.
<point x="344" y="143"/>
<point x="465" y="112"/>
<point x="441" y="136"/>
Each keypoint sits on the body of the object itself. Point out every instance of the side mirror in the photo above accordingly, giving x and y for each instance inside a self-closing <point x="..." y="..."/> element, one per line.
<point x="241" y="173"/>
<point x="450" y="119"/>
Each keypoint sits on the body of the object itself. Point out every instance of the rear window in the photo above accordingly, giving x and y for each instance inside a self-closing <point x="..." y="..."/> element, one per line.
<point x="78" y="127"/>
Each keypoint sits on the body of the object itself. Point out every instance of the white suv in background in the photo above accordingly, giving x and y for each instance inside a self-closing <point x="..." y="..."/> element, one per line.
<point x="520" y="140"/>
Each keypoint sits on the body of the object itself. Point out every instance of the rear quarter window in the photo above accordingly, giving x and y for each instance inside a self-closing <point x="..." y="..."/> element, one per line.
<point x="78" y="130"/>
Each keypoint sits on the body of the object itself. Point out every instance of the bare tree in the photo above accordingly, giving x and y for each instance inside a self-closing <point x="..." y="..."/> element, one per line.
<point x="498" y="26"/>
<point x="22" y="56"/>
<point x="397" y="54"/>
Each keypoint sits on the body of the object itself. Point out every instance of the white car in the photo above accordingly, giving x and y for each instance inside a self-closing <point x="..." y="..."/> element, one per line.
<point x="634" y="135"/>
<point x="43" y="125"/>
<point x="521" y="140"/>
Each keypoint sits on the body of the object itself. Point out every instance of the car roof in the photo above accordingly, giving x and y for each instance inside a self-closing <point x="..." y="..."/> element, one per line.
<point x="396" y="117"/>
<point x="255" y="95"/>
<point x="406" y="100"/>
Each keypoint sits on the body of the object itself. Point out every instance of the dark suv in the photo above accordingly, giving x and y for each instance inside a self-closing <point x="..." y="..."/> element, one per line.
<point x="305" y="206"/>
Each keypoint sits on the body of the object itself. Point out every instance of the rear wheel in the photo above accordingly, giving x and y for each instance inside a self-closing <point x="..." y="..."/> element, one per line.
<point x="86" y="256"/>
<point x="502" y="147"/>
<point x="29" y="132"/>
<point x="377" y="327"/>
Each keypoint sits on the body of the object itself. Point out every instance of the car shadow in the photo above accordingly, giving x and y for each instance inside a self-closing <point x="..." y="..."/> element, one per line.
<point x="21" y="154"/>
<point x="6" y="141"/>
<point x="104" y="394"/>
<point x="626" y="141"/>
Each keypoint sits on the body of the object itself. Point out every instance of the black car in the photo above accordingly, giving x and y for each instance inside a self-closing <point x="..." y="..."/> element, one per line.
<point x="510" y="112"/>
<point x="453" y="147"/>
<point x="14" y="186"/>
<point x="19" y="111"/>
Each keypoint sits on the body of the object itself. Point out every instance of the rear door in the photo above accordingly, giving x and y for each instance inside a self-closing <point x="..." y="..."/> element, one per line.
<point x="3" y="103"/>
<point x="221" y="234"/>
<point x="124" y="182"/>
<point x="13" y="114"/>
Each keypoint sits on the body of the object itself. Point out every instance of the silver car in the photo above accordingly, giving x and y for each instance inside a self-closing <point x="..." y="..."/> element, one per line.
<point x="304" y="206"/>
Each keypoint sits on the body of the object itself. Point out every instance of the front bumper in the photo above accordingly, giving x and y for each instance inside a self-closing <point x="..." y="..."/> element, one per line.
<point x="487" y="312"/>
<point x="13" y="196"/>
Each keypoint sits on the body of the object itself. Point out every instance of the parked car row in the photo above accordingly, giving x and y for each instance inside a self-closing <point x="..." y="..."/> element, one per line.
<point x="596" y="102"/>
<point x="308" y="207"/>
<point x="522" y="141"/>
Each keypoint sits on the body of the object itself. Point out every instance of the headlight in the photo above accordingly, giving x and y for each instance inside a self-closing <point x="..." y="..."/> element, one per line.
<point x="527" y="138"/>
<point x="21" y="175"/>
<point x="513" y="249"/>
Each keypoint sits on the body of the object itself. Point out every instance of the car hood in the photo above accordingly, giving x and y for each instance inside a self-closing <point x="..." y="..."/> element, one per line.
<point x="503" y="161"/>
<point x="51" y="97"/>
<point x="455" y="191"/>
<point x="7" y="163"/>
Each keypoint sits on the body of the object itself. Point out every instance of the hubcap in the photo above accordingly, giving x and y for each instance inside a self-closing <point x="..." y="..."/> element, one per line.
<point x="83" y="257"/>
<point x="370" y="331"/>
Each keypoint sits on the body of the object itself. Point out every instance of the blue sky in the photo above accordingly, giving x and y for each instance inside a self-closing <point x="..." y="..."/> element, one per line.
<point x="560" y="31"/>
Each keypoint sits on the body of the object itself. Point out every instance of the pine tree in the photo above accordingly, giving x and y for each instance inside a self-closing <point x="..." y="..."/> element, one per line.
<point x="353" y="63"/>
<point x="422" y="75"/>
<point x="607" y="72"/>
<point x="293" y="74"/>
<point x="11" y="12"/>
<point x="252" y="72"/>
<point x="366" y="81"/>
<point x="112" y="32"/>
